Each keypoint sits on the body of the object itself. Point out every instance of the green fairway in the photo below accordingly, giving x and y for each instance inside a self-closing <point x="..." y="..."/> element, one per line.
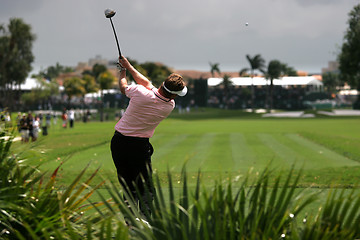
<point x="328" y="149"/>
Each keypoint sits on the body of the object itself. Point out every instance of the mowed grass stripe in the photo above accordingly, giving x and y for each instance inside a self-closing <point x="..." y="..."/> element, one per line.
<point x="285" y="156"/>
<point x="220" y="155"/>
<point x="311" y="154"/>
<point x="200" y="151"/>
<point x="194" y="151"/>
<point x="318" y="155"/>
<point x="171" y="154"/>
<point x="242" y="154"/>
<point x="263" y="154"/>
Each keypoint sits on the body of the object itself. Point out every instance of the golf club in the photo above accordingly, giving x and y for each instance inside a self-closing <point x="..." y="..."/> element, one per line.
<point x="109" y="13"/>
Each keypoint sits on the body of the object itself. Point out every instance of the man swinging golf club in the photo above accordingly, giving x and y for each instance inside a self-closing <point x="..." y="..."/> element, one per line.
<point x="130" y="146"/>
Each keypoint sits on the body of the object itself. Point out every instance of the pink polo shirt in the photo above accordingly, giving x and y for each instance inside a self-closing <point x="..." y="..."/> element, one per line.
<point x="147" y="108"/>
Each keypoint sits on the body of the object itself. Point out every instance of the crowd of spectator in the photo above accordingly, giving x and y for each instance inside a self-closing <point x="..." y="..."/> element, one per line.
<point x="240" y="97"/>
<point x="30" y="125"/>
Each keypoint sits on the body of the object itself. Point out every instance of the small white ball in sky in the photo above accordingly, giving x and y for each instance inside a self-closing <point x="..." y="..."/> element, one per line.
<point x="246" y="24"/>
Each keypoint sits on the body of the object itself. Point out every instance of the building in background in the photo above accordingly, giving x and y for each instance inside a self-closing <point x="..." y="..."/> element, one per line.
<point x="333" y="67"/>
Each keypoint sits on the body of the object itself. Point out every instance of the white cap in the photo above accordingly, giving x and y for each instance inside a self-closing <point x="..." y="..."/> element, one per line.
<point x="181" y="93"/>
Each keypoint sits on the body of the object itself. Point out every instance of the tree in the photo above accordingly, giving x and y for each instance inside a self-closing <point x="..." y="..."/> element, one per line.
<point x="43" y="93"/>
<point x="287" y="71"/>
<point x="256" y="63"/>
<point x="349" y="57"/>
<point x="156" y="72"/>
<point x="274" y="71"/>
<point x="214" y="67"/>
<point x="15" y="57"/>
<point x="226" y="83"/>
<point x="90" y="84"/>
<point x="331" y="81"/>
<point x="74" y="86"/>
<point x="105" y="80"/>
<point x="53" y="71"/>
<point x="98" y="69"/>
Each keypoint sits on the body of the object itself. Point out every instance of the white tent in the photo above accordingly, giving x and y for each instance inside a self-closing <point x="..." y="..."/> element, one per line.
<point x="29" y="84"/>
<point x="260" y="81"/>
<point x="98" y="93"/>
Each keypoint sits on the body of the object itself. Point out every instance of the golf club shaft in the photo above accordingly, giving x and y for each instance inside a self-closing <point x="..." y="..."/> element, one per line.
<point x="117" y="41"/>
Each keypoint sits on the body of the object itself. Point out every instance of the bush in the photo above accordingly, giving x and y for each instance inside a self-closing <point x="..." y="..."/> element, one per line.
<point x="356" y="104"/>
<point x="253" y="211"/>
<point x="313" y="96"/>
<point x="31" y="206"/>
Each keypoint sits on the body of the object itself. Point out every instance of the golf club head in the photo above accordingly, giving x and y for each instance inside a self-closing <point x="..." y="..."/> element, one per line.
<point x="109" y="13"/>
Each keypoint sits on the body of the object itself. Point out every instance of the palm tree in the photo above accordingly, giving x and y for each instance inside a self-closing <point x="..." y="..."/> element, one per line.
<point x="274" y="71"/>
<point x="256" y="63"/>
<point x="214" y="67"/>
<point x="226" y="83"/>
<point x="287" y="71"/>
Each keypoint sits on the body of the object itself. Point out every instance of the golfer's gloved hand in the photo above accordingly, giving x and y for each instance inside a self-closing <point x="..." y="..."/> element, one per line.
<point x="120" y="67"/>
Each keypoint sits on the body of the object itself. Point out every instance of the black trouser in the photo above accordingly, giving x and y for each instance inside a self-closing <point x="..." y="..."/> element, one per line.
<point x="132" y="158"/>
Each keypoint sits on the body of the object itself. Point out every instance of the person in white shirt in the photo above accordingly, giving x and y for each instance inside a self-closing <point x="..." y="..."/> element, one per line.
<point x="36" y="128"/>
<point x="71" y="118"/>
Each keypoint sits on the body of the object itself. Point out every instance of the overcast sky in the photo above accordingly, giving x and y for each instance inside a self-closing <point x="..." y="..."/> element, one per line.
<point x="185" y="34"/>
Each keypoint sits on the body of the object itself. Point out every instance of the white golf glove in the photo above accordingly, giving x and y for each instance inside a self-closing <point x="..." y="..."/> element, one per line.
<point x="120" y="67"/>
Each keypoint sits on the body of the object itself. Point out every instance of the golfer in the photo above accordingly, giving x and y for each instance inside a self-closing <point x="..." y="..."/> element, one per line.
<point x="130" y="147"/>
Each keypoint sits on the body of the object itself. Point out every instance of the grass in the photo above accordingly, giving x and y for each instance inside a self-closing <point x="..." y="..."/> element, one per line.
<point x="227" y="150"/>
<point x="222" y="143"/>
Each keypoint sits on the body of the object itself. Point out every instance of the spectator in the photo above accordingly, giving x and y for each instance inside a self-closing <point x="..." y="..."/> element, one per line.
<point x="40" y="118"/>
<point x="36" y="127"/>
<point x="71" y="117"/>
<point x="48" y="120"/>
<point x="18" y="119"/>
<point x="29" y="122"/>
<point x="84" y="116"/>
<point x="88" y="114"/>
<point x="54" y="119"/>
<point x="24" y="129"/>
<point x="64" y="118"/>
<point x="7" y="119"/>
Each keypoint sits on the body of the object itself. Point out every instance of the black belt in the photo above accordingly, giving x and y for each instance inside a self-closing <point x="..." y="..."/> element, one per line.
<point x="131" y="137"/>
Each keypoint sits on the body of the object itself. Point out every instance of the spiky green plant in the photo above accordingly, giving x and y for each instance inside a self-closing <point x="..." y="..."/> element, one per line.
<point x="339" y="218"/>
<point x="252" y="211"/>
<point x="32" y="206"/>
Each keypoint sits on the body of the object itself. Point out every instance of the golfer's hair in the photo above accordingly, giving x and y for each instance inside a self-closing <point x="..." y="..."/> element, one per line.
<point x="174" y="82"/>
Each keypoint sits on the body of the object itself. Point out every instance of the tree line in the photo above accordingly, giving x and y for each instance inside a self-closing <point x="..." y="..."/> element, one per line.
<point x="16" y="57"/>
<point x="273" y="70"/>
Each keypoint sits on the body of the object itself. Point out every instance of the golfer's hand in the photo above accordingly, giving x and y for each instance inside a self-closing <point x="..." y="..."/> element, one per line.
<point x="123" y="73"/>
<point x="124" y="62"/>
<point x="120" y="67"/>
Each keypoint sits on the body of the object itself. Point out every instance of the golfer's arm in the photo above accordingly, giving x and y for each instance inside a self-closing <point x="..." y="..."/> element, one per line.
<point x="139" y="78"/>
<point x="122" y="82"/>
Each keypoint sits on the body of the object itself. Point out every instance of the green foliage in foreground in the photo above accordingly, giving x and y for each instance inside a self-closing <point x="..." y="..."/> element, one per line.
<point x="34" y="207"/>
